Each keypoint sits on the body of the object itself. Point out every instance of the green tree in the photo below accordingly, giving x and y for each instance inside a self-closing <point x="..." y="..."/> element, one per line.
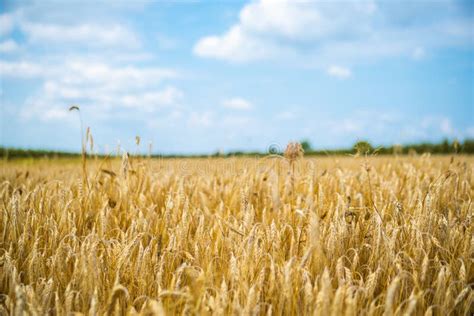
<point x="363" y="147"/>
<point x="306" y="145"/>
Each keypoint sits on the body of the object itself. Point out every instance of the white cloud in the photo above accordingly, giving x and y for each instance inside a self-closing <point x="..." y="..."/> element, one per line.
<point x="87" y="62"/>
<point x="100" y="87"/>
<point x="235" y="45"/>
<point x="339" y="72"/>
<point x="237" y="104"/>
<point x="8" y="46"/>
<point x="115" y="77"/>
<point x="282" y="17"/>
<point x="85" y="34"/>
<point x="148" y="99"/>
<point x="22" y="69"/>
<point x="273" y="28"/>
<point x="52" y="103"/>
<point x="299" y="20"/>
<point x="44" y="109"/>
<point x="77" y="71"/>
<point x="6" y="24"/>
<point x="318" y="33"/>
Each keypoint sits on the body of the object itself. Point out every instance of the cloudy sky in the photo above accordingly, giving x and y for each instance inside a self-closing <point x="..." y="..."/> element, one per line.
<point x="196" y="77"/>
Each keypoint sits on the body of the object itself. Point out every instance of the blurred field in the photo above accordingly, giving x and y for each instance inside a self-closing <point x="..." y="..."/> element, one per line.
<point x="329" y="236"/>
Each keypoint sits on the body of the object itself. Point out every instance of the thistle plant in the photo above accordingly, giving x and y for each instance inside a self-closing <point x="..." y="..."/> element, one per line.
<point x="293" y="152"/>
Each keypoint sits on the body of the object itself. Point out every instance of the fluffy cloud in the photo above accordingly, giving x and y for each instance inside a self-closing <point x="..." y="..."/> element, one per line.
<point x="235" y="45"/>
<point x="84" y="34"/>
<point x="90" y="62"/>
<point x="274" y="28"/>
<point x="53" y="101"/>
<point x="22" y="69"/>
<point x="53" y="25"/>
<point x="116" y="77"/>
<point x="98" y="86"/>
<point x="321" y="33"/>
<point x="6" y="23"/>
<point x="339" y="72"/>
<point x="237" y="104"/>
<point x="8" y="46"/>
<point x="93" y="72"/>
<point x="301" y="21"/>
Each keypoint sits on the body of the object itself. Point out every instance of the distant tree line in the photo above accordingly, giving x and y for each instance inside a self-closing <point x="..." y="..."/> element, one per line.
<point x="364" y="147"/>
<point x="8" y="153"/>
<point x="361" y="148"/>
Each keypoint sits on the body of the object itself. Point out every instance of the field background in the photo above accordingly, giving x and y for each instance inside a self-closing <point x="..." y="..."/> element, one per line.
<point x="326" y="235"/>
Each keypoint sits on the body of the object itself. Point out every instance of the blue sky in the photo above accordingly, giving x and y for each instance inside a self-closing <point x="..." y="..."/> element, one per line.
<point x="197" y="77"/>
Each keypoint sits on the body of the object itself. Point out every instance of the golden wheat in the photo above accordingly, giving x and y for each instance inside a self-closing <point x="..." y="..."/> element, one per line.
<point x="326" y="236"/>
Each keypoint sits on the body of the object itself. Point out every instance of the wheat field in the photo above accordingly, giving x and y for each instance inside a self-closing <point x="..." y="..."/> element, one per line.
<point x="389" y="235"/>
